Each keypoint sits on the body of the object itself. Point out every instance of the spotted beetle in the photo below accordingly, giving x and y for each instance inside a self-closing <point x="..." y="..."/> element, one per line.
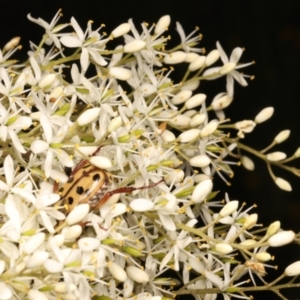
<point x="90" y="184"/>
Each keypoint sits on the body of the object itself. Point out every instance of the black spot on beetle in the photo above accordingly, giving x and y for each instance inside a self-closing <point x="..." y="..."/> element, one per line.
<point x="96" y="177"/>
<point x="70" y="200"/>
<point x="61" y="190"/>
<point x="79" y="190"/>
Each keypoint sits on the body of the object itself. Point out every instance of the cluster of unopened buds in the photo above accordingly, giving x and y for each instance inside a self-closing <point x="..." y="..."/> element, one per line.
<point x="107" y="166"/>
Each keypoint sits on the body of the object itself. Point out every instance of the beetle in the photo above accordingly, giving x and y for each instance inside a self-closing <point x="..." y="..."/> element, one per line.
<point x="90" y="184"/>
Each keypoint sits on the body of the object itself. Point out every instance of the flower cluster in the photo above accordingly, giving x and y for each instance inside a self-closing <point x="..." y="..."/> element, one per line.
<point x="106" y="182"/>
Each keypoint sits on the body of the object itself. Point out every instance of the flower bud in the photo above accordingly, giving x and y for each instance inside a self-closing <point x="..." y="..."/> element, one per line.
<point x="190" y="57"/>
<point x="47" y="80"/>
<point x="200" y="161"/>
<point x="247" y="163"/>
<point x="180" y="121"/>
<point x="212" y="57"/>
<point x="134" y="46"/>
<point x="195" y="101"/>
<point x="88" y="116"/>
<point x="197" y="63"/>
<point x="168" y="136"/>
<point x="229" y="208"/>
<point x="276" y="156"/>
<point x="263" y="256"/>
<point x="209" y="128"/>
<point x="114" y="124"/>
<point x="78" y="214"/>
<point x="273" y="228"/>
<point x="71" y="233"/>
<point x="181" y="97"/>
<point x="121" y="30"/>
<point x="197" y="120"/>
<point x="250" y="221"/>
<point x="297" y="153"/>
<point x="174" y="176"/>
<point x="281" y="238"/>
<point x="141" y="204"/>
<point x="162" y="24"/>
<point x="176" y="57"/>
<point x="293" y="269"/>
<point x="202" y="190"/>
<point x="14" y="42"/>
<point x="120" y="73"/>
<point x="116" y="271"/>
<point x="264" y="115"/>
<point x="101" y="162"/>
<point x="283" y="184"/>
<point x="245" y="126"/>
<point x="223" y="248"/>
<point x="282" y="136"/>
<point x="137" y="274"/>
<point x="221" y="102"/>
<point x="189" y="135"/>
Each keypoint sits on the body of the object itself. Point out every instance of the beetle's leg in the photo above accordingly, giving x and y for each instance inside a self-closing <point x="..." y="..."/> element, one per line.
<point x="126" y="189"/>
<point x="84" y="162"/>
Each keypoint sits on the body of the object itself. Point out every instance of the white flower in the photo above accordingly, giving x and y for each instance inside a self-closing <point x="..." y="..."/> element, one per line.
<point x="229" y="68"/>
<point x="189" y="41"/>
<point x="51" y="29"/>
<point x="89" y="42"/>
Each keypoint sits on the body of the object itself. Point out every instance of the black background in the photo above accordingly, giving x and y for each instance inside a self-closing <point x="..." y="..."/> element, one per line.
<point x="270" y="33"/>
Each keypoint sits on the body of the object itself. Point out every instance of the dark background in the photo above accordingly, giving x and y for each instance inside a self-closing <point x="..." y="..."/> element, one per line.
<point x="270" y="33"/>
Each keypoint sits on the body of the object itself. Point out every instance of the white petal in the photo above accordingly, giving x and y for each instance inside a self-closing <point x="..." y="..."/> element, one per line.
<point x="12" y="212"/>
<point x="24" y="194"/>
<point x="167" y="222"/>
<point x="64" y="158"/>
<point x="16" y="142"/>
<point x="34" y="242"/>
<point x="71" y="41"/>
<point x="9" y="170"/>
<point x="37" y="259"/>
